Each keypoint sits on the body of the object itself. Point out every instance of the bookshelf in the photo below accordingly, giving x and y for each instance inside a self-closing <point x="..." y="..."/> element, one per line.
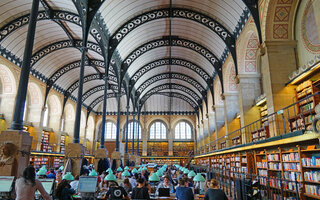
<point x="236" y="141"/>
<point x="305" y="109"/>
<point x="260" y="134"/>
<point x="223" y="145"/>
<point x="58" y="161"/>
<point x="263" y="113"/>
<point x="45" y="147"/>
<point x="39" y="161"/>
<point x="62" y="144"/>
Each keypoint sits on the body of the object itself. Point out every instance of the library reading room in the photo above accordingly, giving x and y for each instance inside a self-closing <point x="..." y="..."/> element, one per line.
<point x="160" y="99"/>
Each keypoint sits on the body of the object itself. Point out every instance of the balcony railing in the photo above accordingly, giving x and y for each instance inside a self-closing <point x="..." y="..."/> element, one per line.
<point x="291" y="120"/>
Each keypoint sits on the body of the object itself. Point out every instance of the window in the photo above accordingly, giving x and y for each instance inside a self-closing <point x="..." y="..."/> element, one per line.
<point x="158" y="131"/>
<point x="45" y="117"/>
<point x="130" y="128"/>
<point x="110" y="131"/>
<point x="183" y="131"/>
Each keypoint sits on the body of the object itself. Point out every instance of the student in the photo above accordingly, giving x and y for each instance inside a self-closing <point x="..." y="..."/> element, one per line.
<point x="165" y="184"/>
<point x="27" y="185"/>
<point x="140" y="192"/>
<point x="183" y="192"/>
<point x="74" y="184"/>
<point x="64" y="190"/>
<point x="127" y="185"/>
<point x="214" y="193"/>
<point x="116" y="192"/>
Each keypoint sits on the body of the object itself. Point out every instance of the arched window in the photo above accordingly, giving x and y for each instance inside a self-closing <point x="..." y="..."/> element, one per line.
<point x="110" y="130"/>
<point x="158" y="131"/>
<point x="45" y="117"/>
<point x="130" y="128"/>
<point x="182" y="131"/>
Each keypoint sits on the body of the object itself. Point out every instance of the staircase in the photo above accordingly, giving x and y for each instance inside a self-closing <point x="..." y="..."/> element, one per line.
<point x="190" y="158"/>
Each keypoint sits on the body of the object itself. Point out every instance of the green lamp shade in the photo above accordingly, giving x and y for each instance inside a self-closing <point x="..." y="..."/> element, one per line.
<point x="119" y="169"/>
<point x="199" y="178"/>
<point x="110" y="177"/>
<point x="126" y="173"/>
<point x="140" y="169"/>
<point x="68" y="177"/>
<point x="154" y="177"/>
<point x="159" y="173"/>
<point x="126" y="168"/>
<point x="135" y="171"/>
<point x="61" y="167"/>
<point x="191" y="174"/>
<point x="186" y="171"/>
<point x="109" y="170"/>
<point x="93" y="173"/>
<point x="42" y="172"/>
<point x="144" y="168"/>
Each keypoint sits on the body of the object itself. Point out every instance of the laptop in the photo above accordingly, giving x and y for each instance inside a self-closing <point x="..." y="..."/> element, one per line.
<point x="164" y="192"/>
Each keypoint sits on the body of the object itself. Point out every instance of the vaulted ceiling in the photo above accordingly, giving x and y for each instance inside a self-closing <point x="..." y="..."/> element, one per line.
<point x="168" y="51"/>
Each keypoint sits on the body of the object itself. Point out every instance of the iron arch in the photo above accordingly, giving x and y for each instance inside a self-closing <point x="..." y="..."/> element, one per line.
<point x="176" y="41"/>
<point x="227" y="37"/>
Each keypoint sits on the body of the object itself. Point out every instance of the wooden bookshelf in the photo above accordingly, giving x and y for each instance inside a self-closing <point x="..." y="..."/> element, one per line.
<point x="305" y="109"/>
<point x="260" y="134"/>
<point x="236" y="141"/>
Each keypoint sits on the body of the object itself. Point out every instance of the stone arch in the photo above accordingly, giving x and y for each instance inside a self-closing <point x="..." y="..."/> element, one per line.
<point x="163" y="122"/>
<point x="247" y="49"/>
<point x="229" y="77"/>
<point x="217" y="92"/>
<point x="8" y="88"/>
<point x="278" y="19"/>
<point x="35" y="102"/>
<point x="69" y="118"/>
<point x="55" y="105"/>
<point x="82" y="124"/>
<point x="7" y="79"/>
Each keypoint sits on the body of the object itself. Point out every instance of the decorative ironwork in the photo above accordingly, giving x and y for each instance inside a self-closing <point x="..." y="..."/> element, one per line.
<point x="101" y="98"/>
<point x="184" y="13"/>
<point x="175" y="42"/>
<point x="178" y="76"/>
<point x="61" y="45"/>
<point x="166" y="61"/>
<point x="24" y="20"/>
<point x="68" y="67"/>
<point x="173" y="94"/>
<point x="98" y="89"/>
<point x="174" y="86"/>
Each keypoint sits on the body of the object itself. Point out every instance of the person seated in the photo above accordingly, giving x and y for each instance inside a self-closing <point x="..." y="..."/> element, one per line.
<point x="183" y="192"/>
<point x="165" y="184"/>
<point x="116" y="192"/>
<point x="214" y="193"/>
<point x="64" y="190"/>
<point x="51" y="174"/>
<point x="141" y="191"/>
<point x="127" y="185"/>
<point x="27" y="185"/>
<point x="75" y="183"/>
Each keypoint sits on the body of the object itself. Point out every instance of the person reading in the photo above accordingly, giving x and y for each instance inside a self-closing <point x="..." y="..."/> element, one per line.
<point x="213" y="193"/>
<point x="183" y="192"/>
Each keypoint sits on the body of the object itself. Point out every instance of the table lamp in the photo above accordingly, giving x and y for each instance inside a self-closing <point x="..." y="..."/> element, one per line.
<point x="199" y="178"/>
<point x="93" y="173"/>
<point x="68" y="176"/>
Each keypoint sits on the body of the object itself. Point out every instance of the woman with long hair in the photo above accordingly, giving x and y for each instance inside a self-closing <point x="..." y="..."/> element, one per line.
<point x="27" y="185"/>
<point x="64" y="190"/>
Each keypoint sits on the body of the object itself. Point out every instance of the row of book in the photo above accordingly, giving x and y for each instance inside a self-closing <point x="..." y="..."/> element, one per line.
<point x="273" y="157"/>
<point x="261" y="164"/>
<point x="275" y="166"/>
<point x="290" y="157"/>
<point x="312" y="189"/>
<point x="311" y="162"/>
<point x="292" y="166"/>
<point x="292" y="176"/>
<point x="313" y="176"/>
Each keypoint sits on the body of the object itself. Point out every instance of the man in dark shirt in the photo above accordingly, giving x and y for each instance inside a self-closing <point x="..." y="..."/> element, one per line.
<point x="183" y="192"/>
<point x="214" y="193"/>
<point x="116" y="192"/>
